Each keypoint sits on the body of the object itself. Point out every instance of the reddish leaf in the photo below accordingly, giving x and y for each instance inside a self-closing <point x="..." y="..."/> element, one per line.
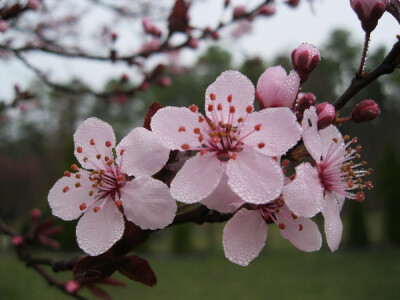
<point x="137" y="269"/>
<point x="51" y="230"/>
<point x="112" y="281"/>
<point x="93" y="268"/>
<point x="98" y="292"/>
<point x="150" y="113"/>
<point x="48" y="242"/>
<point x="132" y="238"/>
<point x="179" y="18"/>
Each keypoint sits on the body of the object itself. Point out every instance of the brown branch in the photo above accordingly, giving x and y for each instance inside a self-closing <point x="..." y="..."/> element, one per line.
<point x="388" y="65"/>
<point x="201" y="215"/>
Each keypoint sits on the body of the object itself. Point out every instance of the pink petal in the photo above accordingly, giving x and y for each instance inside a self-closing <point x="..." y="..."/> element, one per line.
<point x="288" y="91"/>
<point x="304" y="196"/>
<point x="327" y="135"/>
<point x="223" y="199"/>
<point x="256" y="178"/>
<point x="301" y="232"/>
<point x="244" y="236"/>
<point x="147" y="202"/>
<point x="279" y="131"/>
<point x="98" y="231"/>
<point x="65" y="198"/>
<point x="311" y="138"/>
<point x="197" y="179"/>
<point x="101" y="133"/>
<point x="166" y="124"/>
<point x="230" y="83"/>
<point x="143" y="153"/>
<point x="333" y="223"/>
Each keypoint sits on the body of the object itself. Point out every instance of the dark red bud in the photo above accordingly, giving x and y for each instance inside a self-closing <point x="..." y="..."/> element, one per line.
<point x="326" y="114"/>
<point x="36" y="214"/>
<point x="364" y="111"/>
<point x="305" y="100"/>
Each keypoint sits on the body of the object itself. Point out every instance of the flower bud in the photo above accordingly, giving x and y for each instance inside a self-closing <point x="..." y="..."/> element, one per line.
<point x="164" y="82"/>
<point x="369" y="12"/>
<point x="266" y="10"/>
<point x="305" y="100"/>
<point x="193" y="43"/>
<point x="227" y="2"/>
<point x="293" y="3"/>
<point x="35" y="214"/>
<point x="276" y="89"/>
<point x="305" y="59"/>
<point x="3" y="26"/>
<point x="72" y="286"/>
<point x="326" y="114"/>
<point x="33" y="4"/>
<point x="239" y="11"/>
<point x="366" y="110"/>
<point x="17" y="241"/>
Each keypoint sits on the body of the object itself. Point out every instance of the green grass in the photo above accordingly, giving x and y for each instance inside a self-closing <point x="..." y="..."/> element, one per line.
<point x="279" y="273"/>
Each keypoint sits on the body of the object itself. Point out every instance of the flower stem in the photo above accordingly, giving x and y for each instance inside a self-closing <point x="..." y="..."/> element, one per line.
<point x="364" y="54"/>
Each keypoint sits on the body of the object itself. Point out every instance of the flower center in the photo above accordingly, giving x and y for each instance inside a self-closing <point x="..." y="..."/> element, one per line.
<point x="270" y="210"/>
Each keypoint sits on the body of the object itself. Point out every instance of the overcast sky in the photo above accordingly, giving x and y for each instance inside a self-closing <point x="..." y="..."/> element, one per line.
<point x="269" y="36"/>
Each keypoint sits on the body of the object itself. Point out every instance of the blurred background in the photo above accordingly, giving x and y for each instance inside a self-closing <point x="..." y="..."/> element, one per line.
<point x="40" y="112"/>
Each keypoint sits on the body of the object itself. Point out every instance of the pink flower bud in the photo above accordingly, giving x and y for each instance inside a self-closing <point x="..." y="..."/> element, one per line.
<point x="164" y="82"/>
<point x="193" y="43"/>
<point x="3" y="26"/>
<point x="147" y="24"/>
<point x="275" y="88"/>
<point x="366" y="110"/>
<point x="227" y="2"/>
<point x="35" y="214"/>
<point x="369" y="12"/>
<point x="239" y="11"/>
<point x="305" y="59"/>
<point x="266" y="10"/>
<point x="72" y="286"/>
<point x="17" y="241"/>
<point x="305" y="100"/>
<point x="124" y="77"/>
<point x="293" y="3"/>
<point x="326" y="114"/>
<point x="33" y="4"/>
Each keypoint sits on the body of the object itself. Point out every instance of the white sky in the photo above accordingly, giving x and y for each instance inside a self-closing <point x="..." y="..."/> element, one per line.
<point x="270" y="36"/>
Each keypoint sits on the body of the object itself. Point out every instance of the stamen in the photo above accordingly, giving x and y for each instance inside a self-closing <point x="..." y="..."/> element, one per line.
<point x="98" y="156"/>
<point x="196" y="130"/>
<point x="182" y="129"/>
<point x="122" y="152"/>
<point x="79" y="149"/>
<point x="67" y="173"/>
<point x="118" y="203"/>
<point x="293" y="216"/>
<point x="210" y="107"/>
<point x="281" y="226"/>
<point x="201" y="119"/>
<point x="232" y="109"/>
<point x="74" y="167"/>
<point x="212" y="97"/>
<point x="78" y="176"/>
<point x="66" y="189"/>
<point x="92" y="142"/>
<point x="82" y="206"/>
<point x="185" y="147"/>
<point x="249" y="109"/>
<point x="219" y="107"/>
<point x="96" y="209"/>
<point x="300" y="227"/>
<point x="193" y="108"/>
<point x="91" y="193"/>
<point x="229" y="98"/>
<point x="78" y="184"/>
<point x="108" y="144"/>
<point x="261" y="145"/>
<point x="257" y="127"/>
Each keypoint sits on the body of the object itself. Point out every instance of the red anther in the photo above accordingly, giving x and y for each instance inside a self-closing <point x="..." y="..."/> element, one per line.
<point x="261" y="145"/>
<point x="294" y="216"/>
<point x="196" y="130"/>
<point x="67" y="173"/>
<point x="78" y="176"/>
<point x="106" y="158"/>
<point x="201" y="119"/>
<point x="232" y="109"/>
<point x="120" y="177"/>
<point x="78" y="184"/>
<point x="98" y="156"/>
<point x="300" y="227"/>
<point x="92" y="142"/>
<point x="122" y="152"/>
<point x="182" y="129"/>
<point x="234" y="156"/>
<point x="74" y="167"/>
<point x="36" y="213"/>
<point x="282" y="226"/>
<point x="292" y="177"/>
<point x="108" y="144"/>
<point x="368" y="184"/>
<point x="216" y="139"/>
<point x="212" y="96"/>
<point x="219" y="107"/>
<point x="358" y="148"/>
<point x="360" y="196"/>
<point x="249" y="109"/>
<point x="82" y="206"/>
<point x="202" y="152"/>
<point x="229" y="98"/>
<point x="110" y="162"/>
<point x="91" y="193"/>
<point x="185" y="147"/>
<point x="210" y="107"/>
<point x="193" y="108"/>
<point x="285" y="163"/>
<point x="257" y="127"/>
<point x="350" y="184"/>
<point x="354" y="140"/>
<point x="85" y="159"/>
<point x="79" y="149"/>
<point x="275" y="158"/>
<point x="96" y="209"/>
<point x="240" y="120"/>
<point x="200" y="138"/>
<point x="118" y="203"/>
<point x="66" y="189"/>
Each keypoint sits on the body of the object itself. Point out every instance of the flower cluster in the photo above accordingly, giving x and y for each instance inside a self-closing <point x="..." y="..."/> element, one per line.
<point x="237" y="164"/>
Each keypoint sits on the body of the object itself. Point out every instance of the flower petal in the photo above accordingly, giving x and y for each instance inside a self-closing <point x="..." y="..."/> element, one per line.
<point x="327" y="136"/>
<point x="301" y="232"/>
<point x="256" y="178"/>
<point x="289" y="89"/>
<point x="65" y="198"/>
<point x="99" y="231"/>
<point x="304" y="196"/>
<point x="223" y="199"/>
<point x="143" y="153"/>
<point x="244" y="236"/>
<point x="230" y="83"/>
<point x="269" y="84"/>
<point x="333" y="223"/>
<point x="311" y="137"/>
<point x="168" y="124"/>
<point x="196" y="180"/>
<point x="90" y="139"/>
<point x="279" y="131"/>
<point x="147" y="202"/>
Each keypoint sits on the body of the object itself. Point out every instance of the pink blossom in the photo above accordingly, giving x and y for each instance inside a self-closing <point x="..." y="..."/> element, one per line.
<point x="245" y="234"/>
<point x="266" y="10"/>
<point x="231" y="140"/>
<point x="110" y="186"/>
<point x="305" y="59"/>
<point x="335" y="177"/>
<point x="326" y="114"/>
<point x="239" y="11"/>
<point x="193" y="43"/>
<point x="4" y="26"/>
<point x="276" y="89"/>
<point x="369" y="12"/>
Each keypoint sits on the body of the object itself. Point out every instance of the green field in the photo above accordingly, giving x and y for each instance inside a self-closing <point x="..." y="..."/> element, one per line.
<point x="277" y="274"/>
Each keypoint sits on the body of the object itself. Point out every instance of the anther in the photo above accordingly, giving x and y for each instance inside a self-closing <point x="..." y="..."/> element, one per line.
<point x="182" y="129"/>
<point x="118" y="203"/>
<point x="292" y="177"/>
<point x="210" y="107"/>
<point x="200" y="138"/>
<point x="193" y="108"/>
<point x="285" y="163"/>
<point x="92" y="142"/>
<point x="82" y="206"/>
<point x="78" y="184"/>
<point x="96" y="209"/>
<point x="219" y="107"/>
<point x="240" y="120"/>
<point x="106" y="158"/>
<point x="98" y="156"/>
<point x="249" y="109"/>
<point x="293" y="216"/>
<point x="122" y="152"/>
<point x="282" y="226"/>
<point x="363" y="163"/>
<point x="360" y="196"/>
<point x="257" y="127"/>
<point x="234" y="156"/>
<point x="358" y="148"/>
<point x="300" y="227"/>
<point x="91" y="193"/>
<point x="346" y="138"/>
<point x="67" y="173"/>
<point x="230" y="98"/>
<point x="202" y="152"/>
<point x="85" y="159"/>
<point x="66" y="189"/>
<point x="78" y="176"/>
<point x="201" y="119"/>
<point x="261" y="145"/>
<point x="350" y="184"/>
<point x="275" y="158"/>
<point x="335" y="140"/>
<point x="212" y="96"/>
<point x="196" y="130"/>
<point x="185" y="147"/>
<point x="232" y="109"/>
<point x="110" y="162"/>
<point x="74" y="167"/>
<point x="79" y="149"/>
<point x="108" y="144"/>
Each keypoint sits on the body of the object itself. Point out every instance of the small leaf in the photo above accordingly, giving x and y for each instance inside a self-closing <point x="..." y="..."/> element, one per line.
<point x="98" y="292"/>
<point x="150" y="113"/>
<point x="112" y="281"/>
<point x="137" y="269"/>
<point x="93" y="268"/>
